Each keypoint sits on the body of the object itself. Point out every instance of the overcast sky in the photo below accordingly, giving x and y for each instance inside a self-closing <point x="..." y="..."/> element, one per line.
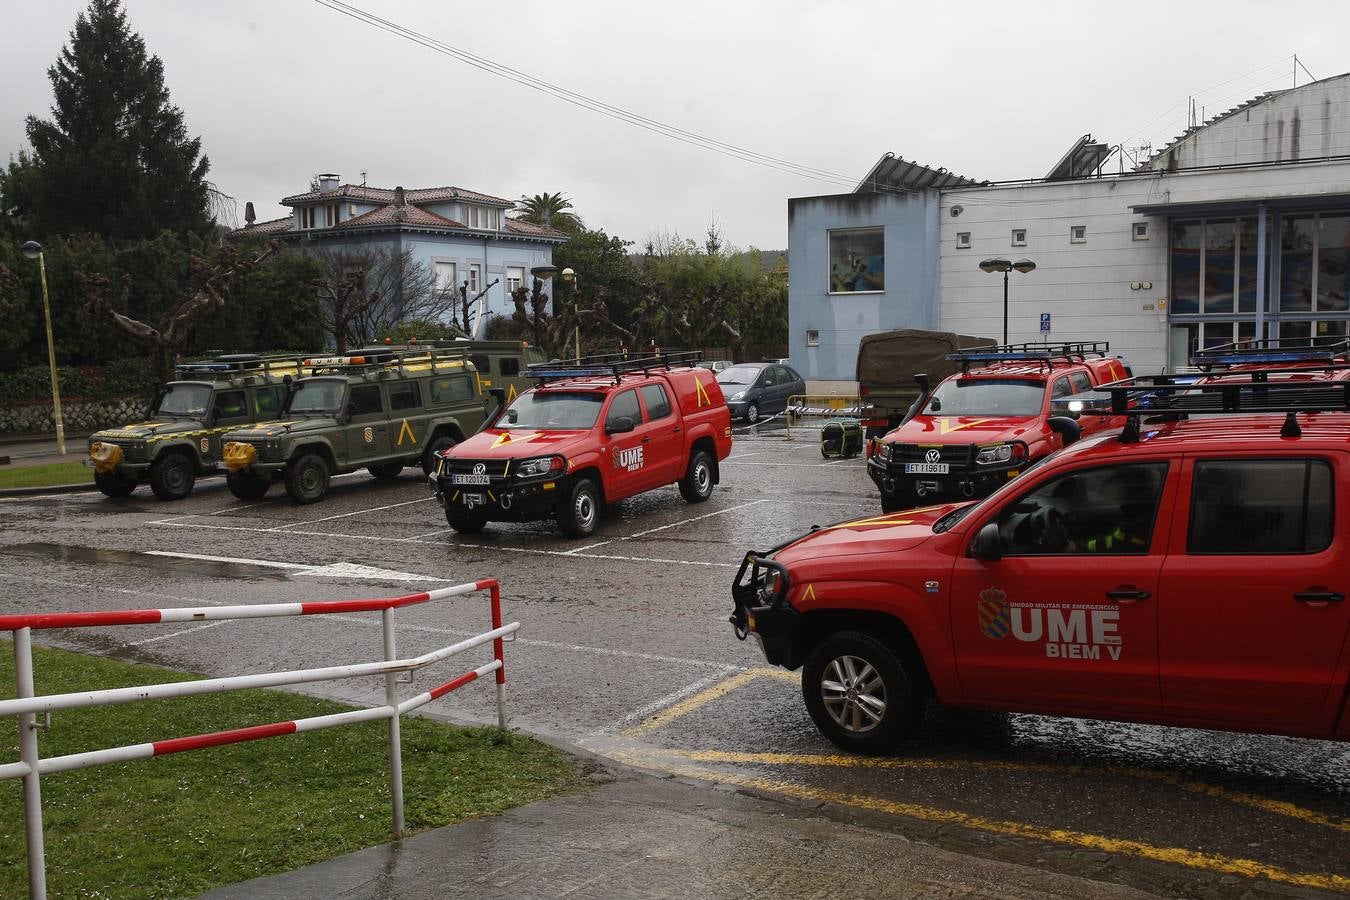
<point x="282" y="89"/>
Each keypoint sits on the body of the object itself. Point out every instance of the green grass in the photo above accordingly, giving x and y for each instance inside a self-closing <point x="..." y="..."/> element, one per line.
<point x="12" y="476"/>
<point x="182" y="824"/>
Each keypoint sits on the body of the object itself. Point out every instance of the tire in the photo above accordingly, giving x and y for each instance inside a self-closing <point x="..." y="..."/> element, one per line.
<point x="114" y="484"/>
<point x="386" y="471"/>
<point x="246" y="485"/>
<point x="752" y="413"/>
<point x="307" y="478"/>
<point x="697" y="483"/>
<point x="172" y="476"/>
<point x="433" y="453"/>
<point x="579" y="512"/>
<point x="862" y="695"/>
<point x="464" y="522"/>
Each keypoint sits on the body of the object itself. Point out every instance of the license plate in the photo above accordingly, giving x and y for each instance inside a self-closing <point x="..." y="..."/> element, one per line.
<point x="927" y="468"/>
<point x="469" y="479"/>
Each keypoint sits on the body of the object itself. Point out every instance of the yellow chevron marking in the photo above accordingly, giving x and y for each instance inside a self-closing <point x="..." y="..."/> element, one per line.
<point x="945" y="425"/>
<point x="810" y="593"/>
<point x="703" y="399"/>
<point x="503" y="438"/>
<point x="406" y="429"/>
<point x="511" y="393"/>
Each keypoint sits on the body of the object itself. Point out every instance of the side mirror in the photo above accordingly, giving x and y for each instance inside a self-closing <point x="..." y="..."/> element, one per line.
<point x="620" y="425"/>
<point x="1066" y="427"/>
<point x="987" y="545"/>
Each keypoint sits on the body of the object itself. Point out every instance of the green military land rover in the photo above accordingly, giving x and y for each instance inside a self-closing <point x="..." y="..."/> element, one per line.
<point x="181" y="439"/>
<point x="379" y="408"/>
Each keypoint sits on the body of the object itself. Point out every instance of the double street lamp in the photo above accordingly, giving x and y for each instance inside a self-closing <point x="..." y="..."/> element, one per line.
<point x="999" y="264"/>
<point x="33" y="250"/>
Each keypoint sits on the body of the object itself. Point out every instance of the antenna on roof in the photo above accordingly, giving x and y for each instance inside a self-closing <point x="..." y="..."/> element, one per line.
<point x="363" y="178"/>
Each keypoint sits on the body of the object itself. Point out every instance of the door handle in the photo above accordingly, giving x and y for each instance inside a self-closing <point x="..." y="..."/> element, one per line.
<point x="1127" y="593"/>
<point x="646" y="439"/>
<point x="1316" y="596"/>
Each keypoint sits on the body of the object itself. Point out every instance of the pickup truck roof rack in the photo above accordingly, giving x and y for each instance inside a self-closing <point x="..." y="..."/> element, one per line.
<point x="1240" y="393"/>
<point x="1273" y="351"/>
<point x="1046" y="354"/>
<point x="612" y="365"/>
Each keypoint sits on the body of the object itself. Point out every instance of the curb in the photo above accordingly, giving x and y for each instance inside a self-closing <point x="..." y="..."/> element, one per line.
<point x="51" y="489"/>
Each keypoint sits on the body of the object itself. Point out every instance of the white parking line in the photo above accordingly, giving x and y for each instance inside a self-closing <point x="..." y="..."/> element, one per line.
<point x="165" y="637"/>
<point x="670" y="699"/>
<point x="630" y="537"/>
<point x="359" y="512"/>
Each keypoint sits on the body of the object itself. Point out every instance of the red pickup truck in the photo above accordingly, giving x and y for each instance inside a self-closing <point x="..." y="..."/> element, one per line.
<point x="590" y="434"/>
<point x="1189" y="569"/>
<point x="983" y="426"/>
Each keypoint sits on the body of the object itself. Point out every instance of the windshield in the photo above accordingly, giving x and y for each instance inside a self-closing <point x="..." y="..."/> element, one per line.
<point x="738" y="375"/>
<point x="553" y="410"/>
<point x="317" y="395"/>
<point x="986" y="398"/>
<point x="185" y="400"/>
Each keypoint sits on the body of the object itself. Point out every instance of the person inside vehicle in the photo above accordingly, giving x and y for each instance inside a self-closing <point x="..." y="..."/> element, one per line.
<point x="1124" y="499"/>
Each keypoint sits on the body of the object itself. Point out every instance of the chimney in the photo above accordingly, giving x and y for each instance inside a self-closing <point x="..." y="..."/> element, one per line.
<point x="249" y="216"/>
<point x="328" y="183"/>
<point x="399" y="199"/>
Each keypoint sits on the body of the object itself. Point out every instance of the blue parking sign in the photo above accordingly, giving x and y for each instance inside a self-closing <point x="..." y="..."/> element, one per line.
<point x="1045" y="321"/>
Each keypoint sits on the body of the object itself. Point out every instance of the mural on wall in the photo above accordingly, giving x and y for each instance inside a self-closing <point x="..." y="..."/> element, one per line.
<point x="857" y="261"/>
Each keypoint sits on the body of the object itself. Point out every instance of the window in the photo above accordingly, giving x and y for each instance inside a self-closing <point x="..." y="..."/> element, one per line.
<point x="1019" y="237"/>
<point x="450" y="388"/>
<point x="365" y="401"/>
<point x="963" y="240"/>
<point x="857" y="261"/>
<point x="1104" y="510"/>
<point x="475" y="275"/>
<point x="405" y="395"/>
<point x="510" y="366"/>
<point x="481" y="363"/>
<point x="515" y="278"/>
<point x="267" y="401"/>
<point x="1260" y="506"/>
<point x="1078" y="234"/>
<point x="813" y="338"/>
<point x="1060" y="389"/>
<point x="625" y="404"/>
<point x="492" y="218"/>
<point x="1139" y="231"/>
<point x="654" y="398"/>
<point x="229" y="405"/>
<point x="445" y="276"/>
<point x="767" y="378"/>
<point x="330" y="215"/>
<point x="1081" y="384"/>
<point x="306" y="217"/>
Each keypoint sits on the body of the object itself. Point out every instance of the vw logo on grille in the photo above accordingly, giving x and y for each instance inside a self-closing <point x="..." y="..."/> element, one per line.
<point x="480" y="468"/>
<point x="932" y="456"/>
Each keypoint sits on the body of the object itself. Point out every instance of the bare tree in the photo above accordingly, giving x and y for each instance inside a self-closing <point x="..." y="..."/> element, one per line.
<point x="365" y="291"/>
<point x="208" y="289"/>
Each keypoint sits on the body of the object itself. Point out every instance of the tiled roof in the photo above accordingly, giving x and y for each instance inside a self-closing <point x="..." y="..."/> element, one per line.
<point x="520" y="226"/>
<point x="362" y="194"/>
<point x="407" y="215"/>
<point x="271" y="226"/>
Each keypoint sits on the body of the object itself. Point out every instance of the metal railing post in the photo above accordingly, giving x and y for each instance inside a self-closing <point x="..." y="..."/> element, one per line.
<point x="495" y="592"/>
<point x="395" y="732"/>
<point x="28" y="752"/>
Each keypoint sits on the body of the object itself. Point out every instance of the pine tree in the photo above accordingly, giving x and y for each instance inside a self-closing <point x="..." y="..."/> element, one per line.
<point x="116" y="159"/>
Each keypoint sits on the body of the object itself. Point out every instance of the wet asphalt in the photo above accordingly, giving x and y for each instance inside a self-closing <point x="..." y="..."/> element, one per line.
<point x="625" y="651"/>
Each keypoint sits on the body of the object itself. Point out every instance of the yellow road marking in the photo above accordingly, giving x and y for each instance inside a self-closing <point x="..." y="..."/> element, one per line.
<point x="704" y="697"/>
<point x="1228" y="865"/>
<point x="1277" y="807"/>
<point x="945" y="425"/>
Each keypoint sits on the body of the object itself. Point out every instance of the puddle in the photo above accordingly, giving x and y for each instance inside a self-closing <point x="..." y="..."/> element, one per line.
<point x="167" y="564"/>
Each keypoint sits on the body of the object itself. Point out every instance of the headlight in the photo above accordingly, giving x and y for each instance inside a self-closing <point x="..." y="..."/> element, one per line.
<point x="884" y="451"/>
<point x="1001" y="453"/>
<point x="544" y="465"/>
<point x="739" y="395"/>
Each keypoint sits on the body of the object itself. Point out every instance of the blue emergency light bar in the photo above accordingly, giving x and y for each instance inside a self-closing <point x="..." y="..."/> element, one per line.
<point x="612" y="365"/>
<point x="1272" y="351"/>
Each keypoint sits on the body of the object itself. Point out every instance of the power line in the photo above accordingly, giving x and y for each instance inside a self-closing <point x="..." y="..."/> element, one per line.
<point x="585" y="102"/>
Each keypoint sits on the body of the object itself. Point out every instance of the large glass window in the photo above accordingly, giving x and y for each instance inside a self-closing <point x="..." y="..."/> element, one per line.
<point x="991" y="397"/>
<point x="1296" y="264"/>
<point x="857" y="260"/>
<point x="1220" y="257"/>
<point x="1333" y="261"/>
<point x="552" y="409"/>
<point x="1185" y="267"/>
<point x="1260" y="506"/>
<point x="1104" y="510"/>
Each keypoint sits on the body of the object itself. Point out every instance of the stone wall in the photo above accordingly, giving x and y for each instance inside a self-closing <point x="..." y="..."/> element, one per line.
<point x="78" y="415"/>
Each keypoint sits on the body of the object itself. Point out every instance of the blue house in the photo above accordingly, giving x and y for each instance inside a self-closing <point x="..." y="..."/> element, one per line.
<point x="461" y="236"/>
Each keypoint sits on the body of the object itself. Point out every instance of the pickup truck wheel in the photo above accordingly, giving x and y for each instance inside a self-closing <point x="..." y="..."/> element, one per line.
<point x="697" y="483"/>
<point x="579" y="511"/>
<point x="465" y="522"/>
<point x="307" y="478"/>
<point x="246" y="486"/>
<point x="114" y="484"/>
<point x="752" y="413"/>
<point x="172" y="476"/>
<point x="386" y="471"/>
<point x="861" y="694"/>
<point x="432" y="457"/>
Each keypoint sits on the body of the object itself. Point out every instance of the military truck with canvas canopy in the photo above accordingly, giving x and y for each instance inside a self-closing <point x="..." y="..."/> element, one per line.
<point x="888" y="362"/>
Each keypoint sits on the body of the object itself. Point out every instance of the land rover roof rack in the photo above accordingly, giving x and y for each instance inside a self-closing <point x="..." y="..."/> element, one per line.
<point x="1273" y="351"/>
<point x="612" y="365"/>
<point x="1045" y="354"/>
<point x="237" y="364"/>
<point x="1240" y="393"/>
<point x="380" y="358"/>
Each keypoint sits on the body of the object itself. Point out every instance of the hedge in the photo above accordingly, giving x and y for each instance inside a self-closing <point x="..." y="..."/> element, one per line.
<point x="120" y="378"/>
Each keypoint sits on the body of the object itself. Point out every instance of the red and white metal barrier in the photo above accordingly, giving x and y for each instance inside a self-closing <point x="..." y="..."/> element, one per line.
<point x="26" y="705"/>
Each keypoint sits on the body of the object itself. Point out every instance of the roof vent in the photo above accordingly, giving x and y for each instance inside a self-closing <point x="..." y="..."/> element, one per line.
<point x="328" y="183"/>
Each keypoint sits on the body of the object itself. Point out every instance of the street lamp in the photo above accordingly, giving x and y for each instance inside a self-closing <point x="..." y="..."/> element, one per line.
<point x="33" y="250"/>
<point x="570" y="277"/>
<point x="999" y="264"/>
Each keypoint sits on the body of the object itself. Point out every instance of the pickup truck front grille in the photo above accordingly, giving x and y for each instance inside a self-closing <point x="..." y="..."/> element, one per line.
<point x="956" y="454"/>
<point x="494" y="469"/>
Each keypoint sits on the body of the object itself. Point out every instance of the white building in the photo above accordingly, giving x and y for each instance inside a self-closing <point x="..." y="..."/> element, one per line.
<point x="1239" y="228"/>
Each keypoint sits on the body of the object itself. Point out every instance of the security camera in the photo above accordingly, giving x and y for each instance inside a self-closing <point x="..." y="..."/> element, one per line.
<point x="957" y="210"/>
